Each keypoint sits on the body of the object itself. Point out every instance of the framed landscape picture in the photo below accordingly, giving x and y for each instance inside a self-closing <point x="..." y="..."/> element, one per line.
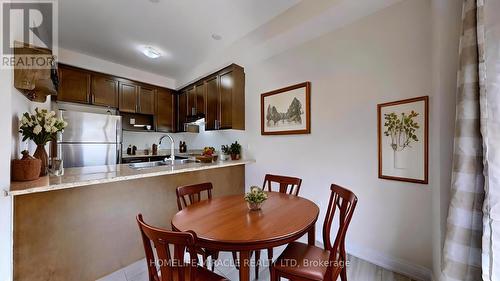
<point x="403" y="140"/>
<point x="286" y="111"/>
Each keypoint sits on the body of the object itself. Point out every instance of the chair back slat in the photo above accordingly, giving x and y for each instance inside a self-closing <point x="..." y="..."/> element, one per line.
<point x="288" y="185"/>
<point x="345" y="201"/>
<point x="193" y="194"/>
<point x="171" y="267"/>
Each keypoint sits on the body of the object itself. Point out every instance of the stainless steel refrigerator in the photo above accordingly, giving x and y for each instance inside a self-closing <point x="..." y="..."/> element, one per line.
<point x="90" y="139"/>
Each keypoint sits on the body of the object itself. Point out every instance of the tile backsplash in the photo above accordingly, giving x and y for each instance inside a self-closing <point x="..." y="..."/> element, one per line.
<point x="193" y="140"/>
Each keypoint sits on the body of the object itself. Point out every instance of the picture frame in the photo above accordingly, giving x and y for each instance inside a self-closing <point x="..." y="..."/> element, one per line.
<point x="286" y="111"/>
<point x="403" y="140"/>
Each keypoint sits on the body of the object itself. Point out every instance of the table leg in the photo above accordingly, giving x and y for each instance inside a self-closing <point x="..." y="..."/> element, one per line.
<point x="311" y="235"/>
<point x="244" y="265"/>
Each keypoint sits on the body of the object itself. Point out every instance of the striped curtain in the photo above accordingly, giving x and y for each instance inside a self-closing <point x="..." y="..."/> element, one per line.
<point x="462" y="249"/>
<point x="490" y="130"/>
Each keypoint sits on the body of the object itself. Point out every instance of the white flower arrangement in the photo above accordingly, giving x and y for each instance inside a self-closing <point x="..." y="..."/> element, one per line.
<point x="41" y="126"/>
<point x="256" y="195"/>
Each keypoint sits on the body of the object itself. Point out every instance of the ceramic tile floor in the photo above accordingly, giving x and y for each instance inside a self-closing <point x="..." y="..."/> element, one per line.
<point x="358" y="270"/>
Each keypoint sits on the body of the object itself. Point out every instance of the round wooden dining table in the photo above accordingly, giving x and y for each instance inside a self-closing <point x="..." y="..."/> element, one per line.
<point x="226" y="224"/>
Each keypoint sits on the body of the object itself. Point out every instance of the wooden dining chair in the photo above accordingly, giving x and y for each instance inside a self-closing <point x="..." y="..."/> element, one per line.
<point x="168" y="266"/>
<point x="304" y="262"/>
<point x="287" y="185"/>
<point x="190" y="194"/>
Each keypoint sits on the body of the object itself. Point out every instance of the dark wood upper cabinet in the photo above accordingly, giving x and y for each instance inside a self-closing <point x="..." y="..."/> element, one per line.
<point x="181" y="111"/>
<point x="212" y="103"/>
<point x="74" y="85"/>
<point x="191" y="101"/>
<point x="146" y="103"/>
<point x="221" y="96"/>
<point x="165" y="110"/>
<point x="232" y="98"/>
<point x="104" y="91"/>
<point x="128" y="97"/>
<point x="226" y="99"/>
<point x="238" y="98"/>
<point x="147" y="99"/>
<point x="200" y="98"/>
<point x="136" y="98"/>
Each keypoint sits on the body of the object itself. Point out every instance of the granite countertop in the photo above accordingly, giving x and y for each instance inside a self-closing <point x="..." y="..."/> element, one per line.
<point x="76" y="177"/>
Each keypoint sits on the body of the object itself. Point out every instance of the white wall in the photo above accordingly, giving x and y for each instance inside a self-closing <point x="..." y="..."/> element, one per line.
<point x="446" y="18"/>
<point x="383" y="57"/>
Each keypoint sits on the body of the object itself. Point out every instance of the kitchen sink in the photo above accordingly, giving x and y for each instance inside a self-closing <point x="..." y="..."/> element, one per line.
<point x="148" y="165"/>
<point x="185" y="161"/>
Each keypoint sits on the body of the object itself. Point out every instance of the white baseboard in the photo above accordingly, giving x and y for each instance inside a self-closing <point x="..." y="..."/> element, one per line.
<point x="393" y="264"/>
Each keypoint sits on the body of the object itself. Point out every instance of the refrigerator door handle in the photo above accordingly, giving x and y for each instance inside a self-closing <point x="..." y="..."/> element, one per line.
<point x="119" y="131"/>
<point x="119" y="153"/>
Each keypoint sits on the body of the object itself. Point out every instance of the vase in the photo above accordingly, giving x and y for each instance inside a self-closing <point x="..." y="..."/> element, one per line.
<point x="41" y="153"/>
<point x="252" y="206"/>
<point x="401" y="159"/>
<point x="235" y="156"/>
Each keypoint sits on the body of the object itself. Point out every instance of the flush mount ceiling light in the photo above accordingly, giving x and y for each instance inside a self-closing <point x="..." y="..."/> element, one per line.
<point x="151" y="52"/>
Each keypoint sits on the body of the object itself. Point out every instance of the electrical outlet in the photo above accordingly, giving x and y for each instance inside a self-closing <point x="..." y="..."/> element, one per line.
<point x="132" y="121"/>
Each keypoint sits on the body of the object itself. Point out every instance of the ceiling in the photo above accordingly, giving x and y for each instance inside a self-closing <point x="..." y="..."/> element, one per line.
<point x="301" y="23"/>
<point x="181" y="29"/>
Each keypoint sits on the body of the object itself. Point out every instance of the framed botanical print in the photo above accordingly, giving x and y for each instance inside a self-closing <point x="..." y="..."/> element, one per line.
<point x="286" y="111"/>
<point x="403" y="140"/>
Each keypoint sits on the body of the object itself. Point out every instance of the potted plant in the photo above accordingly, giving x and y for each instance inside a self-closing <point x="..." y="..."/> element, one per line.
<point x="235" y="151"/>
<point x="41" y="127"/>
<point x="255" y="198"/>
<point x="225" y="152"/>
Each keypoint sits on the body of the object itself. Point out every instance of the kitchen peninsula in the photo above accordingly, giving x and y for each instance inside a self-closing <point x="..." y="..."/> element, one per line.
<point x="81" y="226"/>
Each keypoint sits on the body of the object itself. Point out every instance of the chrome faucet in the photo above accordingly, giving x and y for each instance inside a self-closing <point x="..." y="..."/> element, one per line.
<point x="172" y="148"/>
